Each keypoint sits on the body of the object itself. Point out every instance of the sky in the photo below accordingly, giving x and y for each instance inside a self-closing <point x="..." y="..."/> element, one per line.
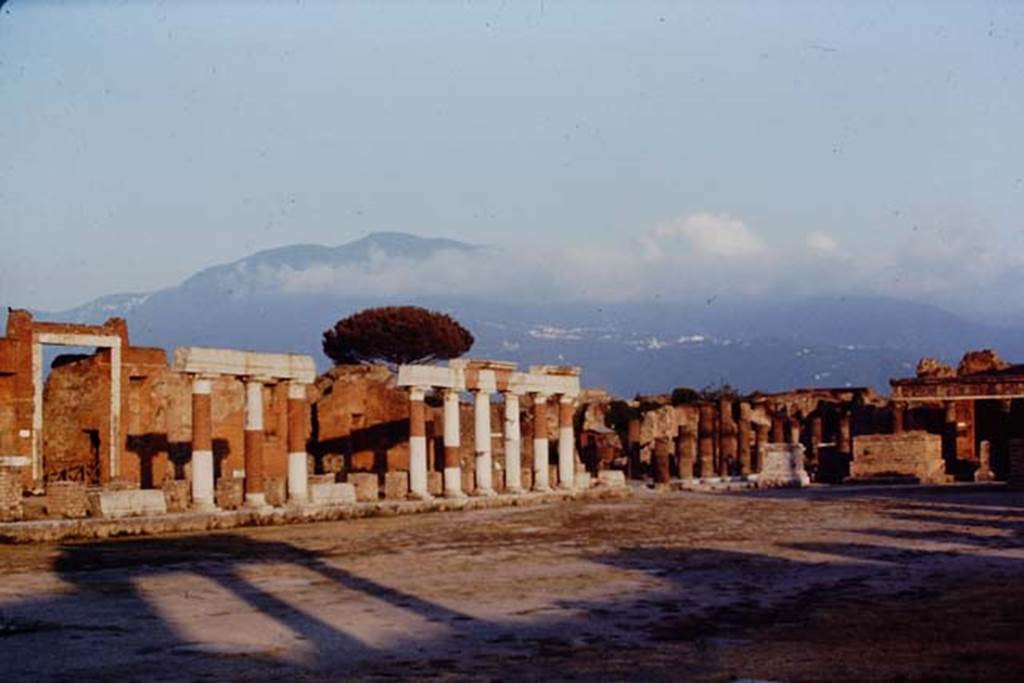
<point x="769" y="147"/>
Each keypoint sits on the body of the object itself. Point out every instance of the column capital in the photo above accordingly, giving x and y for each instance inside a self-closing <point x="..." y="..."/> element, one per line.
<point x="540" y="396"/>
<point x="418" y="393"/>
<point x="258" y="379"/>
<point x="202" y="384"/>
<point x="566" y="399"/>
<point x="297" y="390"/>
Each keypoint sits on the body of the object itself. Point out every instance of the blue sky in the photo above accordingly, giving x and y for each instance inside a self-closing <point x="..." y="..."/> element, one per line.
<point x="869" y="145"/>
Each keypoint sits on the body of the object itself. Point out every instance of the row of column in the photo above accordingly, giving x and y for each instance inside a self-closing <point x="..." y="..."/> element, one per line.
<point x="484" y="461"/>
<point x="203" y="484"/>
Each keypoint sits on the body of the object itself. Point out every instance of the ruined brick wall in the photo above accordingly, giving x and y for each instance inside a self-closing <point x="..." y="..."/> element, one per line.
<point x="915" y="453"/>
<point x="16" y="390"/>
<point x="10" y="494"/>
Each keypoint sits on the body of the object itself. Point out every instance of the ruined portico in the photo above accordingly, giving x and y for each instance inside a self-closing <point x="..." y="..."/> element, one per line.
<point x="255" y="370"/>
<point x="483" y="378"/>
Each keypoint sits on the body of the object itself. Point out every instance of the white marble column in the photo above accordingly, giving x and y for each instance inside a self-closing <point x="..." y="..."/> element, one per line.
<point x="255" y="491"/>
<point x="418" y="444"/>
<point x="541" y="478"/>
<point x="202" y="444"/>
<point x="513" y="445"/>
<point x="298" y="434"/>
<point x="452" y="442"/>
<point x="482" y="433"/>
<point x="566" y="444"/>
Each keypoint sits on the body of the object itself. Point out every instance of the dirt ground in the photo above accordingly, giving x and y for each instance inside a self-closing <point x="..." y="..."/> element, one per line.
<point x="819" y="585"/>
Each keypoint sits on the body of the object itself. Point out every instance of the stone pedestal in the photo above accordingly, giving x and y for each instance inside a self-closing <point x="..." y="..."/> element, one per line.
<point x="783" y="466"/>
<point x="984" y="471"/>
<point x="366" y="486"/>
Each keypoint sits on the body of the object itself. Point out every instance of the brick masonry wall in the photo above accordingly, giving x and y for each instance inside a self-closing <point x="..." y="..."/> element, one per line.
<point x="67" y="499"/>
<point x="915" y="453"/>
<point x="10" y="494"/>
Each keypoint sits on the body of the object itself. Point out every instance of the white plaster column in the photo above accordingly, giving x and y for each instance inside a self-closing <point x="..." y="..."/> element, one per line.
<point x="541" y="478"/>
<point x="418" y="443"/>
<point x="255" y="491"/>
<point x="298" y="434"/>
<point x="566" y="444"/>
<point x="452" y="443"/>
<point x="513" y="445"/>
<point x="202" y="444"/>
<point x="482" y="440"/>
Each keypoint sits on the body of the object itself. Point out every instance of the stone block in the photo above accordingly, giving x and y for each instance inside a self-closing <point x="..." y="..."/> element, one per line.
<point x="127" y="503"/>
<point x="783" y="466"/>
<point x="527" y="478"/>
<point x="276" y="491"/>
<point x="10" y="494"/>
<point x="582" y="482"/>
<point x="612" y="478"/>
<point x="553" y="476"/>
<point x="230" y="493"/>
<point x="67" y="499"/>
<point x="468" y="481"/>
<point x="329" y="478"/>
<point x="332" y="494"/>
<point x="435" y="483"/>
<point x="177" y="495"/>
<point x="396" y="485"/>
<point x="909" y="454"/>
<point x="498" y="479"/>
<point x="367" y="486"/>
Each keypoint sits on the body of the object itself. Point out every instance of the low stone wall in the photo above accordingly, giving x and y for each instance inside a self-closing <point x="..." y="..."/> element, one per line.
<point x="177" y="495"/>
<point x="910" y="454"/>
<point x="783" y="466"/>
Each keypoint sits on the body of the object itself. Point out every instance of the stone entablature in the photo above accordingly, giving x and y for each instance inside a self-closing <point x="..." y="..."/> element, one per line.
<point x="483" y="378"/>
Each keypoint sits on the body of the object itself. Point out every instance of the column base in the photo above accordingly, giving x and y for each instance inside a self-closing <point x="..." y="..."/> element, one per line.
<point x="485" y="493"/>
<point x="420" y="496"/>
<point x="256" y="500"/>
<point x="455" y="495"/>
<point x="204" y="506"/>
<point x="515" y="490"/>
<point x="542" y="489"/>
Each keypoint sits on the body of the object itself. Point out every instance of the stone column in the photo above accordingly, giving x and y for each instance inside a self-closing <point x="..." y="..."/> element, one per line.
<point x="540" y="443"/>
<point x="566" y="444"/>
<point x="482" y="439"/>
<point x="662" y="474"/>
<point x="761" y="433"/>
<point x="633" y="456"/>
<point x="744" y="439"/>
<point x="793" y="429"/>
<point x="706" y="440"/>
<point x="845" y="432"/>
<point x="418" y="443"/>
<point x="778" y="434"/>
<point x="298" y="435"/>
<point x="452" y="442"/>
<point x="513" y="445"/>
<point x="686" y="450"/>
<point x="202" y="444"/>
<point x="255" y="492"/>
<point x="817" y="436"/>
<point x="899" y="411"/>
<point x="726" y="439"/>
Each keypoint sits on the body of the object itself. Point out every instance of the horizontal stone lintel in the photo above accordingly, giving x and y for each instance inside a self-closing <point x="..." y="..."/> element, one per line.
<point x="201" y="360"/>
<point x="427" y="376"/>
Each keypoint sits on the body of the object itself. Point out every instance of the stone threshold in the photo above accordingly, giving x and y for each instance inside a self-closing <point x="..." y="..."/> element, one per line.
<point x="50" y="531"/>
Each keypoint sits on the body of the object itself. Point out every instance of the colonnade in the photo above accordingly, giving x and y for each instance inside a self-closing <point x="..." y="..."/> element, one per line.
<point x="483" y="379"/>
<point x="256" y="370"/>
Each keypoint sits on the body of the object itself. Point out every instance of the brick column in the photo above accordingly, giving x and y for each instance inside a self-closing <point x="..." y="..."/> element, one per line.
<point x="845" y="441"/>
<point x="298" y="435"/>
<point x="778" y="434"/>
<point x="255" y="492"/>
<point x="686" y="451"/>
<point x="540" y="443"/>
<point x="660" y="461"/>
<point x="452" y="442"/>
<point x="899" y="414"/>
<point x="761" y="436"/>
<point x="482" y="440"/>
<point x="706" y="440"/>
<point x="744" y="433"/>
<point x="202" y="444"/>
<point x="817" y="437"/>
<point x="418" y="443"/>
<point x="513" y="445"/>
<point x="726" y="439"/>
<point x="566" y="444"/>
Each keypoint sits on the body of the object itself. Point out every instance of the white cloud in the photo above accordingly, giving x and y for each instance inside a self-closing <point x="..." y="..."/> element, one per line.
<point x="821" y="243"/>
<point x="715" y="235"/>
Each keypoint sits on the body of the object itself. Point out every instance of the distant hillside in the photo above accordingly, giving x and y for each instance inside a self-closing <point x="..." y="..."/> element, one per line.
<point x="643" y="346"/>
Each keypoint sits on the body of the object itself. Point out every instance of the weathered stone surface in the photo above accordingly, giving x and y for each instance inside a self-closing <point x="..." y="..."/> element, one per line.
<point x="230" y="493"/>
<point x="367" y="486"/>
<point x="332" y="494"/>
<point x="582" y="482"/>
<point x="783" y="466"/>
<point x="10" y="494"/>
<point x="468" y="480"/>
<point x="127" y="503"/>
<point x="984" y="471"/>
<point x="612" y="478"/>
<point x="396" y="485"/>
<point x="977" y="362"/>
<point x="276" y="491"/>
<point x="933" y="367"/>
<point x="67" y="499"/>
<point x="910" y="454"/>
<point x="435" y="483"/>
<point x="177" y="495"/>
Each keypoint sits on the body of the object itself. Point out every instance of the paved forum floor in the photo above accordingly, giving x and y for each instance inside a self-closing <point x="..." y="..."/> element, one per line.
<point x="820" y="585"/>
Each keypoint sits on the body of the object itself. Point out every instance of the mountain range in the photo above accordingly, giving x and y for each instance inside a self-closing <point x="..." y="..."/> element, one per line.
<point x="265" y="301"/>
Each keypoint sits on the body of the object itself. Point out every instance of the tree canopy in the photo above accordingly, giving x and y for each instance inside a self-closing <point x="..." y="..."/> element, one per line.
<point x="396" y="335"/>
